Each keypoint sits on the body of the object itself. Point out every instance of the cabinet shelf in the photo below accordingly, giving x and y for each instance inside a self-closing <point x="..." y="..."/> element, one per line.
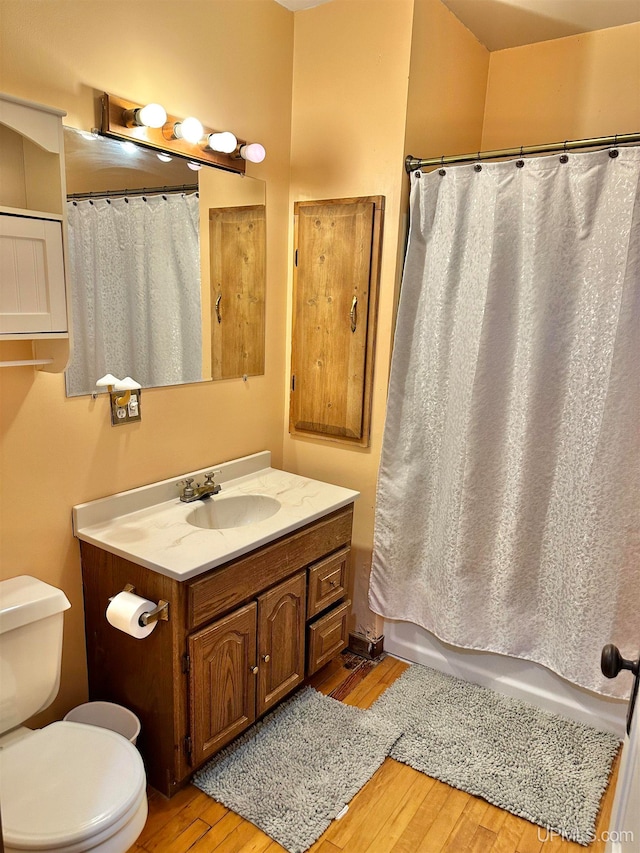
<point x="26" y="362"/>
<point x="30" y="214"/>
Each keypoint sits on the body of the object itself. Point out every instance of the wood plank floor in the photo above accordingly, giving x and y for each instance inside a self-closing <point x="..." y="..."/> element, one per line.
<point x="398" y="811"/>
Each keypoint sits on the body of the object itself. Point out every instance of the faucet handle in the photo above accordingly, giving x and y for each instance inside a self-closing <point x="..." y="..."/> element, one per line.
<point x="208" y="477"/>
<point x="188" y="491"/>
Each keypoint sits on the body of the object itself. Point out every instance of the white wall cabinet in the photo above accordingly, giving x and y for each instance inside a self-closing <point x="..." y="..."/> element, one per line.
<point x="33" y="302"/>
<point x="32" y="293"/>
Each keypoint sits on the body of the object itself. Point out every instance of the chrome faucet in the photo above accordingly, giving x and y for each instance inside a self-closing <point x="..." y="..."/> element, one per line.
<point x="198" y="492"/>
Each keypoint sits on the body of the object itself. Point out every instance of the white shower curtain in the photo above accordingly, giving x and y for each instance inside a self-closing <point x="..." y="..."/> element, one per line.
<point x="508" y="502"/>
<point x="135" y="270"/>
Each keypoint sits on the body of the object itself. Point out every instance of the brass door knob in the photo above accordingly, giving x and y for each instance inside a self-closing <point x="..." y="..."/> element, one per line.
<point x="254" y="669"/>
<point x="266" y="658"/>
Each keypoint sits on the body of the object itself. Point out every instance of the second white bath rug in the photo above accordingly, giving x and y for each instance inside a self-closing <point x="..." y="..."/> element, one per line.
<point x="537" y="765"/>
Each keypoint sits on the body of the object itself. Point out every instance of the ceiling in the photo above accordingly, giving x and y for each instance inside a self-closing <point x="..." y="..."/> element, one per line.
<point x="500" y="24"/>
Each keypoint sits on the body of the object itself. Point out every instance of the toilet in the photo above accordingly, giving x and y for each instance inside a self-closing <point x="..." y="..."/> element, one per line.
<point x="68" y="787"/>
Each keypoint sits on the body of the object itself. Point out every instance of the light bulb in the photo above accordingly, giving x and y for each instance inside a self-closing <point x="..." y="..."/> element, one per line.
<point x="166" y="158"/>
<point x="224" y="142"/>
<point x="153" y="115"/>
<point x="254" y="152"/>
<point x="191" y="130"/>
<point x="195" y="166"/>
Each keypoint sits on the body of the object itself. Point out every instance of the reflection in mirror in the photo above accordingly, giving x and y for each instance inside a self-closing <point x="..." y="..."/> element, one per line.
<point x="139" y="236"/>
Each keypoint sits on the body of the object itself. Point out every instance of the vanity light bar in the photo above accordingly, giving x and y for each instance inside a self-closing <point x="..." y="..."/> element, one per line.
<point x="117" y="123"/>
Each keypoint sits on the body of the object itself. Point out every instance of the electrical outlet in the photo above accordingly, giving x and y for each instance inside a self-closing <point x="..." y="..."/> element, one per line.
<point x="128" y="413"/>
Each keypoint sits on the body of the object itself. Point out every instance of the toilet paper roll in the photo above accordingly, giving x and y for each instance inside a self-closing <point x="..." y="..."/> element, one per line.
<point x="124" y="611"/>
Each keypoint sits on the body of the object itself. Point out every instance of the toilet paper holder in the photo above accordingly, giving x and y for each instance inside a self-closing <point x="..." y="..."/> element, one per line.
<point x="160" y="612"/>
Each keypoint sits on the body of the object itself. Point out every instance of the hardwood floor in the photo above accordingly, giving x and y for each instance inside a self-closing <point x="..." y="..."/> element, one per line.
<point x="398" y="811"/>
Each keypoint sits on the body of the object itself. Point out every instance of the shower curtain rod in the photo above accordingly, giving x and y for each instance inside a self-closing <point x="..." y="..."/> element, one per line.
<point x="412" y="163"/>
<point x="140" y="191"/>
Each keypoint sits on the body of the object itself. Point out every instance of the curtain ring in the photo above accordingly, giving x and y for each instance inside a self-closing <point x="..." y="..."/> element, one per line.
<point x="520" y="162"/>
<point x="564" y="158"/>
<point x="613" y="152"/>
<point x="478" y="167"/>
<point x="442" y="171"/>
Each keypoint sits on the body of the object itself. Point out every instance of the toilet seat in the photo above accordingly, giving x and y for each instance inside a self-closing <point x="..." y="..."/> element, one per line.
<point x="70" y="787"/>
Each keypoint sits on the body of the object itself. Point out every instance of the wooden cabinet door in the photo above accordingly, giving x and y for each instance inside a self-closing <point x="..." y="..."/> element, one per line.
<point x="335" y="305"/>
<point x="222" y="688"/>
<point x="281" y="623"/>
<point x="237" y="250"/>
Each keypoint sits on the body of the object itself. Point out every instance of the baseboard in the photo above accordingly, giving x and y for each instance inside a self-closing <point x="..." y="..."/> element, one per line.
<point x="366" y="648"/>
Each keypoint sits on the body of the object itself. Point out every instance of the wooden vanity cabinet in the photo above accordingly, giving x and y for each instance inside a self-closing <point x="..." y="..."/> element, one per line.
<point x="239" y="639"/>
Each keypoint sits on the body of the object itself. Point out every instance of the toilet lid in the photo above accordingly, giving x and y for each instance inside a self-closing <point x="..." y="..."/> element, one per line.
<point x="67" y="782"/>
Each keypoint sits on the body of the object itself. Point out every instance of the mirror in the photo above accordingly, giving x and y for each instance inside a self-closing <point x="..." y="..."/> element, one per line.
<point x="167" y="307"/>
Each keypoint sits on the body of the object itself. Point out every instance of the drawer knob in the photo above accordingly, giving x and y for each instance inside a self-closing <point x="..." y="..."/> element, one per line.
<point x="254" y="669"/>
<point x="266" y="658"/>
<point x="332" y="583"/>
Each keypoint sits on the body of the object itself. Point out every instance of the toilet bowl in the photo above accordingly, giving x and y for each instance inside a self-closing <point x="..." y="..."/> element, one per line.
<point x="70" y="787"/>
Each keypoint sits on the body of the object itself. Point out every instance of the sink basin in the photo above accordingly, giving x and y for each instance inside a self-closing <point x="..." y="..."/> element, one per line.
<point x="233" y="511"/>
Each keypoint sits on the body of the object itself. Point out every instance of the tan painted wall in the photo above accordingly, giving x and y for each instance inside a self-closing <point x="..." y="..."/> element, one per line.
<point x="447" y="84"/>
<point x="351" y="89"/>
<point x="572" y="88"/>
<point x="230" y="63"/>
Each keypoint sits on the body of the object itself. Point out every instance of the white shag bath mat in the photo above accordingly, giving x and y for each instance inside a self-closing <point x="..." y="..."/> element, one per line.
<point x="535" y="764"/>
<point x="294" y="771"/>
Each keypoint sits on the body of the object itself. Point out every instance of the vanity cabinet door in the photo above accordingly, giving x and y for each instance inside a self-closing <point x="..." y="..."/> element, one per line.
<point x="281" y="629"/>
<point x="223" y="681"/>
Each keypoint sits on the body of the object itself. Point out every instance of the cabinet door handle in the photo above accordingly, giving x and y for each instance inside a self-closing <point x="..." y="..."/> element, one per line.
<point x="266" y="658"/>
<point x="353" y="314"/>
<point x="218" y="315"/>
<point x="254" y="669"/>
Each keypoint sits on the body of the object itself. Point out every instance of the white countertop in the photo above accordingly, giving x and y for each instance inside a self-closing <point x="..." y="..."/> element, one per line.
<point x="148" y="525"/>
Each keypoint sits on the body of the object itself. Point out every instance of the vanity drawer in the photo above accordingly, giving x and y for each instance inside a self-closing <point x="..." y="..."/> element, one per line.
<point x="328" y="581"/>
<point x="327" y="636"/>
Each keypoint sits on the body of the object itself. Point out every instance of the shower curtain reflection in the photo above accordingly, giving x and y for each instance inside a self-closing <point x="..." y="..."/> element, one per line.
<point x="135" y="267"/>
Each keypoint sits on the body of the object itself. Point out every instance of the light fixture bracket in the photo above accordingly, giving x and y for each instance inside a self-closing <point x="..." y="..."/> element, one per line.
<point x="113" y="124"/>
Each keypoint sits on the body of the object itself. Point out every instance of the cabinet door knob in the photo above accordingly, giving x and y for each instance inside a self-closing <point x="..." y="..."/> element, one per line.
<point x="254" y="669"/>
<point x="266" y="658"/>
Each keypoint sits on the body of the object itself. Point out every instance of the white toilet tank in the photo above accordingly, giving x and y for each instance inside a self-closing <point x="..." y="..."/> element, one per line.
<point x="31" y="616"/>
